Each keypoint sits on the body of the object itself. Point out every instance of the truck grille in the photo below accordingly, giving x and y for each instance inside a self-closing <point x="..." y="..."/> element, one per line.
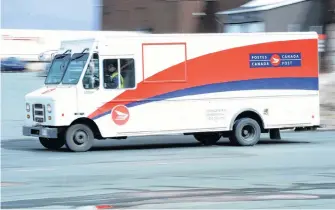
<point x="39" y="113"/>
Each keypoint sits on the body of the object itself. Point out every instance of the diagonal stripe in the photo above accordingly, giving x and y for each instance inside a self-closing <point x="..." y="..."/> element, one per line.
<point x="257" y="84"/>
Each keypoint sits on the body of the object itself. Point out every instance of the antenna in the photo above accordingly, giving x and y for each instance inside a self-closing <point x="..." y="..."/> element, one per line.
<point x="85" y="50"/>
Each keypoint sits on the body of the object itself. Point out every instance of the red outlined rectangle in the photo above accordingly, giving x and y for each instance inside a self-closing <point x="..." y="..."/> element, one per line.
<point x="166" y="76"/>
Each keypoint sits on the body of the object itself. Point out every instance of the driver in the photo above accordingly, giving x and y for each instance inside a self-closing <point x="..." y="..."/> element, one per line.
<point x="91" y="80"/>
<point x="113" y="79"/>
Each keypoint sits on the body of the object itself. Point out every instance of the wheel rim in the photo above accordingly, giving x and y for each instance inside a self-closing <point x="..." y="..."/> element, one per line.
<point x="80" y="137"/>
<point x="248" y="132"/>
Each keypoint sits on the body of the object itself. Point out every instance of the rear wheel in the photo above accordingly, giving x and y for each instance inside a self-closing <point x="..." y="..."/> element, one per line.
<point x="52" y="144"/>
<point x="246" y="132"/>
<point x="207" y="138"/>
<point x="79" y="138"/>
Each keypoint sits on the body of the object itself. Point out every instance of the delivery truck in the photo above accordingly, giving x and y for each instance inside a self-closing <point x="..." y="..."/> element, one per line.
<point x="235" y="86"/>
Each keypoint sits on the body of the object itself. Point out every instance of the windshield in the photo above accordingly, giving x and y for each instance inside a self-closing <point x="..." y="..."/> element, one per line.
<point x="75" y="68"/>
<point x="57" y="68"/>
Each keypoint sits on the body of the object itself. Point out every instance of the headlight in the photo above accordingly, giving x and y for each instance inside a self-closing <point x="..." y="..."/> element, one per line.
<point x="49" y="108"/>
<point x="27" y="107"/>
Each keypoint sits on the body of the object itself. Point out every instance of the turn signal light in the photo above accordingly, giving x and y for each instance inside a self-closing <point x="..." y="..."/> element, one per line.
<point x="28" y="116"/>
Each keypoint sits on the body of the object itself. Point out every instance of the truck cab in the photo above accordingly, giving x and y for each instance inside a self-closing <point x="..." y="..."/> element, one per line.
<point x="76" y="86"/>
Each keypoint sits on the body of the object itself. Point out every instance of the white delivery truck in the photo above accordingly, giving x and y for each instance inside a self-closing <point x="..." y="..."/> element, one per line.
<point x="207" y="85"/>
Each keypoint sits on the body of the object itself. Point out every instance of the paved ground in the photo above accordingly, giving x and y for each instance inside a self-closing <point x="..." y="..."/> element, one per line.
<point x="162" y="172"/>
<point x="173" y="172"/>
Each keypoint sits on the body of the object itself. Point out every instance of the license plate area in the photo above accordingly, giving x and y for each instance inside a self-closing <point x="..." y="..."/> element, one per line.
<point x="35" y="132"/>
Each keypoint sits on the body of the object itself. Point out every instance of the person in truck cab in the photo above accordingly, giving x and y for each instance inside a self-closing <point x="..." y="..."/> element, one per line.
<point x="112" y="80"/>
<point x="90" y="79"/>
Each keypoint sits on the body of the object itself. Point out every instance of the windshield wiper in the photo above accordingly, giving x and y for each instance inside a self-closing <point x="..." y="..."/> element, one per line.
<point x="61" y="56"/>
<point x="81" y="54"/>
<point x="85" y="50"/>
<point x="66" y="51"/>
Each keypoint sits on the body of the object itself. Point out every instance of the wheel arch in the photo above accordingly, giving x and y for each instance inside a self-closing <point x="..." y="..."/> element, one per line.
<point x="91" y="124"/>
<point x="250" y="113"/>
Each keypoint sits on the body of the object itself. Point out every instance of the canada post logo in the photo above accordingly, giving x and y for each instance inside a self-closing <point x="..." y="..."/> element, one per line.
<point x="268" y="60"/>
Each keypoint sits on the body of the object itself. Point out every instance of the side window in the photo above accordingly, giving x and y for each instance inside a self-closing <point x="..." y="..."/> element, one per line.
<point x="91" y="78"/>
<point x="128" y="72"/>
<point x="119" y="73"/>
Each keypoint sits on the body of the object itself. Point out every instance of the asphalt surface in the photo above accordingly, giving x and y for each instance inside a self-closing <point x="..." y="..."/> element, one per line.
<point x="157" y="172"/>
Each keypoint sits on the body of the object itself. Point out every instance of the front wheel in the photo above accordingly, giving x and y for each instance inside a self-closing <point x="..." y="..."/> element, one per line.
<point x="79" y="138"/>
<point x="52" y="144"/>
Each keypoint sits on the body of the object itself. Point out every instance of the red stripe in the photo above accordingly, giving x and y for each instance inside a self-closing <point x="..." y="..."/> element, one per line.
<point x="224" y="66"/>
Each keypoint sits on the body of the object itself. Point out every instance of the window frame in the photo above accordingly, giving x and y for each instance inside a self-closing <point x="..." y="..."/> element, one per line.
<point x="99" y="70"/>
<point x="118" y="58"/>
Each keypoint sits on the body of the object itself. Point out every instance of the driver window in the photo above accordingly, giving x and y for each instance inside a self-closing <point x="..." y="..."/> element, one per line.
<point x="111" y="73"/>
<point x="91" y="78"/>
<point x="119" y="73"/>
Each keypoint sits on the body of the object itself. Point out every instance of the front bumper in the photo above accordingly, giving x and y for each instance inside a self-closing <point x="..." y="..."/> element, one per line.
<point x="38" y="131"/>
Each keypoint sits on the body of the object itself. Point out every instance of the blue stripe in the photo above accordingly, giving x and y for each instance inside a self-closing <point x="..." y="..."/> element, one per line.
<point x="257" y="84"/>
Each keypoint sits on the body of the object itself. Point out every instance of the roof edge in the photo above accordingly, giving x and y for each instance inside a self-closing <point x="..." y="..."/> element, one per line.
<point x="242" y="9"/>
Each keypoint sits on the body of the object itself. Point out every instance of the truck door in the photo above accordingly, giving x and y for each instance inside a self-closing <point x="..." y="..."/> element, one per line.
<point x="89" y="88"/>
<point x="117" y="77"/>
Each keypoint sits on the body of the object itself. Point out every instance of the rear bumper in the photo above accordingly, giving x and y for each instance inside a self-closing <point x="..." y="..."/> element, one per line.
<point x="40" y="132"/>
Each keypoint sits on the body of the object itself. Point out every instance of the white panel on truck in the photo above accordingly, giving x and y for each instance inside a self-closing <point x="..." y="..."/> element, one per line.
<point x="158" y="57"/>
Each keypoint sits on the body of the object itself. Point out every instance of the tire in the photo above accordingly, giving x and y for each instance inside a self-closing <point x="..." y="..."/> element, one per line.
<point x="79" y="138"/>
<point x="52" y="144"/>
<point x="207" y="139"/>
<point x="246" y="132"/>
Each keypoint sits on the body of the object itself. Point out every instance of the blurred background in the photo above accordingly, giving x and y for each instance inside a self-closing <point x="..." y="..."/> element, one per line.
<point x="32" y="29"/>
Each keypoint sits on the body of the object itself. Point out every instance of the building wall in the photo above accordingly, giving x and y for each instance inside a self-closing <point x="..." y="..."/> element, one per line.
<point x="135" y="14"/>
<point x="295" y="17"/>
<point x="329" y="58"/>
<point x="330" y="11"/>
<point x="213" y="23"/>
<point x="163" y="16"/>
<point x="303" y="16"/>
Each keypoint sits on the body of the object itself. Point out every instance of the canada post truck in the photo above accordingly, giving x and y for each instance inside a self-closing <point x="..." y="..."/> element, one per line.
<point x="235" y="86"/>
